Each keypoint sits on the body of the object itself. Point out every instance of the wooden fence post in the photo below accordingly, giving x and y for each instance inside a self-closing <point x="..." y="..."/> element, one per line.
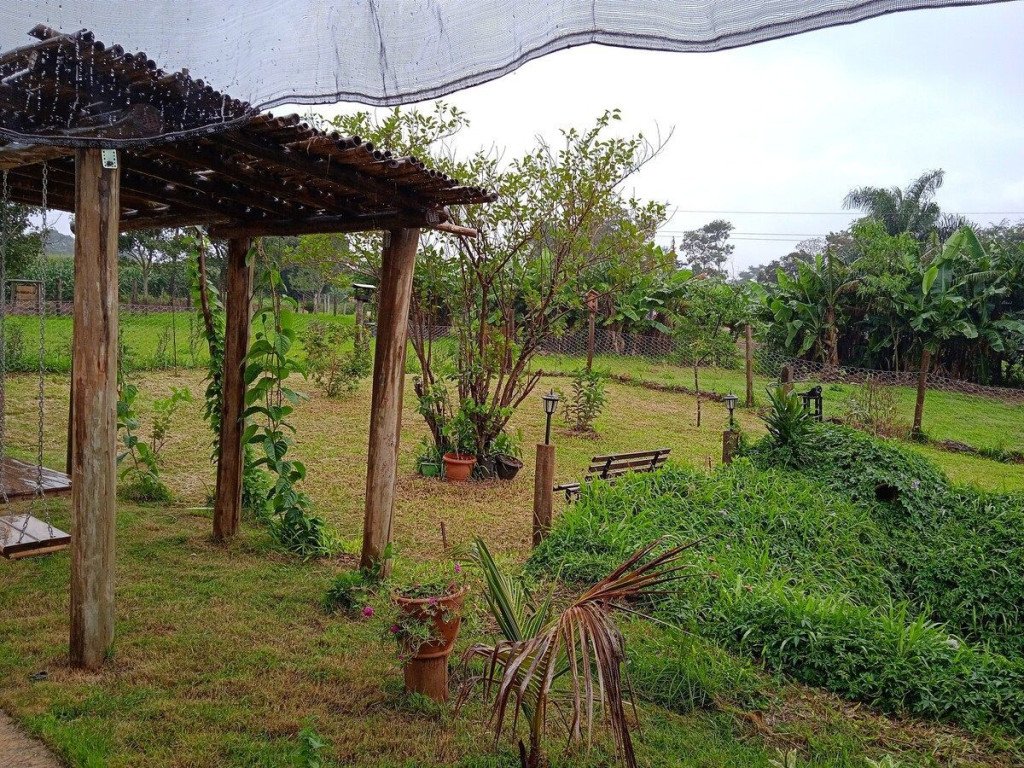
<point x="730" y="442"/>
<point x="94" y="432"/>
<point x="394" y="298"/>
<point x="543" y="492"/>
<point x="228" y="505"/>
<point x="786" y="379"/>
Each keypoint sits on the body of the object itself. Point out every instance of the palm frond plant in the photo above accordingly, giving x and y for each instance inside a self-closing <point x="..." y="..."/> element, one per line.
<point x="571" y="660"/>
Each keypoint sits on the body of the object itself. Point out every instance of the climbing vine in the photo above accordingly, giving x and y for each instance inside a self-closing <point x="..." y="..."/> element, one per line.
<point x="255" y="482"/>
<point x="269" y="401"/>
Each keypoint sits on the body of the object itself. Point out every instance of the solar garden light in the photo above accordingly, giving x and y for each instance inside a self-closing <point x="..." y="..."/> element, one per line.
<point x="550" y="406"/>
<point x="730" y="403"/>
<point x="813" y="397"/>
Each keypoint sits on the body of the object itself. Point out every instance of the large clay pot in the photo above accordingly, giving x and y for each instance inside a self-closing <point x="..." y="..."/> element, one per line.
<point x="507" y="467"/>
<point x="426" y="670"/>
<point x="458" y="466"/>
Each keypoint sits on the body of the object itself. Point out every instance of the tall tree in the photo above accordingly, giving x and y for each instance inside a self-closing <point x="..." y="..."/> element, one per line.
<point x="146" y="248"/>
<point x="912" y="209"/>
<point x="21" y="240"/>
<point x="707" y="249"/>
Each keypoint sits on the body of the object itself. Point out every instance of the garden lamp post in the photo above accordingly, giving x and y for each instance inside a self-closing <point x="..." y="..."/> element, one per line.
<point x="363" y="293"/>
<point x="730" y="403"/>
<point x="544" y="476"/>
<point x="550" y="406"/>
<point x="730" y="437"/>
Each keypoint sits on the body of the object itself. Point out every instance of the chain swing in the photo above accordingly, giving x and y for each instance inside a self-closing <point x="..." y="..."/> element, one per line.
<point x="23" y="535"/>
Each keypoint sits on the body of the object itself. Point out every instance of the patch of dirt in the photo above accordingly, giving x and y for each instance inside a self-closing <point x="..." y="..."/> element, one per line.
<point x="19" y="750"/>
<point x="800" y="712"/>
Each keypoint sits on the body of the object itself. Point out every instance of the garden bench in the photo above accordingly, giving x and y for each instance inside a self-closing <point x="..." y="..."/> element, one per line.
<point x="616" y="465"/>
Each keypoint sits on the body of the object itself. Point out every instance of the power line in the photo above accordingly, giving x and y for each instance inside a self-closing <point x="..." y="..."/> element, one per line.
<point x="838" y="213"/>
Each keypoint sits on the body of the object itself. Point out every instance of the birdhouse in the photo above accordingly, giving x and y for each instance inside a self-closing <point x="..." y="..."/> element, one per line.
<point x="592" y="296"/>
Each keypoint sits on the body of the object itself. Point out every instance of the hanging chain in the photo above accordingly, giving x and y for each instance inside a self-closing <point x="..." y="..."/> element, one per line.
<point x="41" y="294"/>
<point x="4" y="199"/>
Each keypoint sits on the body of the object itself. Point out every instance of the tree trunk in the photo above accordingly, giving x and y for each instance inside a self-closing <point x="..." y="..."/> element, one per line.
<point x="922" y="383"/>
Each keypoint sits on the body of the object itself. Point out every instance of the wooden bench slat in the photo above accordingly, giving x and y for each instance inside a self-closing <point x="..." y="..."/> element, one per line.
<point x="622" y="466"/>
<point x="634" y="455"/>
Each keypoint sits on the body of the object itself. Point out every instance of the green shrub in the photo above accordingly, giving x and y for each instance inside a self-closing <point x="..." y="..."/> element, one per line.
<point x="582" y="406"/>
<point x="334" y="369"/>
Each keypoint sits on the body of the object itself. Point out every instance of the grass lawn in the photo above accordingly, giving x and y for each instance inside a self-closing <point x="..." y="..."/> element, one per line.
<point x="978" y="421"/>
<point x="223" y="655"/>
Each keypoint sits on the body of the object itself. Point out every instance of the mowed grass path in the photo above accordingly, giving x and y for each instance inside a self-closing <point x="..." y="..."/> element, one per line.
<point x="223" y="655"/>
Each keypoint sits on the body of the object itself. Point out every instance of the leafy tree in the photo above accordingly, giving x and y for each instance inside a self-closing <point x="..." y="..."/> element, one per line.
<point x="319" y="263"/>
<point x="711" y="306"/>
<point x="21" y="239"/>
<point x="910" y="210"/>
<point x="707" y="249"/>
<point x="147" y="248"/>
<point x="560" y="216"/>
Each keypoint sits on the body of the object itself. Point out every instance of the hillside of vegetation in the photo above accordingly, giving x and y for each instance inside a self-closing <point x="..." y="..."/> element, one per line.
<point x="862" y="571"/>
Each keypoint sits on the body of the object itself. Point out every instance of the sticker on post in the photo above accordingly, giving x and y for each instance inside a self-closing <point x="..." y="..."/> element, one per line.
<point x="110" y="159"/>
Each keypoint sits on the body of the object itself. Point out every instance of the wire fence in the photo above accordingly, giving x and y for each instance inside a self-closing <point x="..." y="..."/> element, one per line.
<point x="626" y="352"/>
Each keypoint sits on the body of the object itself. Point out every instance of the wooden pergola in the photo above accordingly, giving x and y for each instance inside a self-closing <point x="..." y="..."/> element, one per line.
<point x="126" y="146"/>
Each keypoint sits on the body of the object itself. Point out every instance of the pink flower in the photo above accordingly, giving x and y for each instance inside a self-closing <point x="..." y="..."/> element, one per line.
<point x="368" y="611"/>
<point x="458" y="568"/>
<point x="395" y="629"/>
<point x="432" y="601"/>
<point x="401" y="656"/>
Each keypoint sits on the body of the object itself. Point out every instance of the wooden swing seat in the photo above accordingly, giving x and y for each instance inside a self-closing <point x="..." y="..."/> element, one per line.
<point x="22" y="535"/>
<point x="20" y="480"/>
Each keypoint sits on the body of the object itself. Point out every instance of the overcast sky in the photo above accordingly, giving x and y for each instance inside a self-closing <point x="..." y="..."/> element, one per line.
<point x="791" y="125"/>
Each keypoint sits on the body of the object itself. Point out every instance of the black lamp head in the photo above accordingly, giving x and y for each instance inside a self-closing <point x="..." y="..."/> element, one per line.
<point x="730" y="401"/>
<point x="550" y="402"/>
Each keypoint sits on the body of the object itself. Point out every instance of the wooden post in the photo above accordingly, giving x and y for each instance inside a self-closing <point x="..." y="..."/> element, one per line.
<point x="359" y="322"/>
<point x="730" y="442"/>
<point x="394" y="297"/>
<point x="786" y="379"/>
<point x="228" y="507"/>
<point x="592" y="297"/>
<point x="749" y="333"/>
<point x="94" y="435"/>
<point x="543" y="492"/>
<point x="922" y="384"/>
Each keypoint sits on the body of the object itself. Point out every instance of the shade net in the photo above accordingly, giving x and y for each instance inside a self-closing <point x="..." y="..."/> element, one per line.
<point x="261" y="53"/>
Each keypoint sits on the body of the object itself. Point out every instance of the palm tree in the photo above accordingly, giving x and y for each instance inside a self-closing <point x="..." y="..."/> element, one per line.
<point x="901" y="210"/>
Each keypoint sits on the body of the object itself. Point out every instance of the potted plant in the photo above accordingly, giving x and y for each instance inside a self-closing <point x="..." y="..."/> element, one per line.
<point x="508" y="455"/>
<point x="429" y="462"/>
<point x="460" y="440"/>
<point x="426" y="627"/>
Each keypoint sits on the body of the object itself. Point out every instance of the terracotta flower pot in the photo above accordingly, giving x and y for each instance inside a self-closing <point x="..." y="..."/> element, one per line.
<point x="426" y="667"/>
<point x="458" y="466"/>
